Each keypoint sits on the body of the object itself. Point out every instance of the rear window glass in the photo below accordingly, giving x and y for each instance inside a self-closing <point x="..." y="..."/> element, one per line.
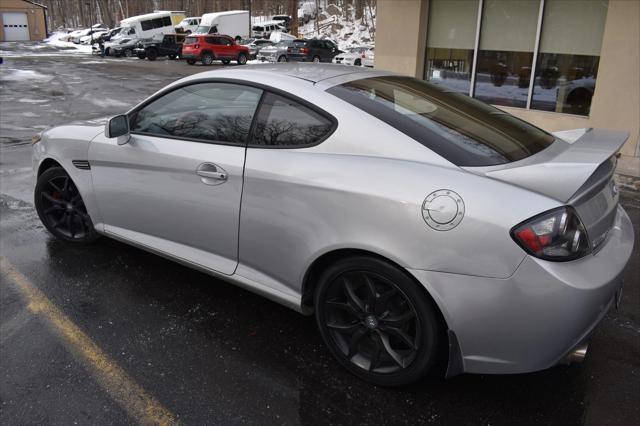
<point x="190" y="40"/>
<point x="284" y="122"/>
<point x="463" y="130"/>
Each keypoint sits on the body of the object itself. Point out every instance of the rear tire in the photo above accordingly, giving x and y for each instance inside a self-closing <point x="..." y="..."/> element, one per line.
<point x="242" y="59"/>
<point x="172" y="57"/>
<point x="152" y="54"/>
<point x="191" y="61"/>
<point x="142" y="55"/>
<point x="377" y="322"/>
<point x="282" y="58"/>
<point x="316" y="59"/>
<point x="207" y="59"/>
<point x="61" y="208"/>
<point x="357" y="63"/>
<point x="128" y="53"/>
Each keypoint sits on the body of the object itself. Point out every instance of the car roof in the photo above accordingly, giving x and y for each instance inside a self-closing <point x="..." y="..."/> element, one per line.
<point x="313" y="73"/>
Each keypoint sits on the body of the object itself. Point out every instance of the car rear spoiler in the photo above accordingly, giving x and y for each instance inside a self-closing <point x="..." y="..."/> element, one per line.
<point x="563" y="175"/>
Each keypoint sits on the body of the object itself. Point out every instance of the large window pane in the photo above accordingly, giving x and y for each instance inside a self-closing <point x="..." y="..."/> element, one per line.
<point x="507" y="39"/>
<point x="569" y="54"/>
<point x="450" y="43"/>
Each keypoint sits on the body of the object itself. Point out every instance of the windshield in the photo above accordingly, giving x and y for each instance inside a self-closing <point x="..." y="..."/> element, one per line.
<point x="463" y="130"/>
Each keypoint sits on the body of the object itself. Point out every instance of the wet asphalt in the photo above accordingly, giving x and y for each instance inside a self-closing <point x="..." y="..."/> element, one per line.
<point x="210" y="352"/>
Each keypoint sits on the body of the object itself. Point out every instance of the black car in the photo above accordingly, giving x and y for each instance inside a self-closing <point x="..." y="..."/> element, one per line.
<point x="312" y="51"/>
<point x="170" y="46"/>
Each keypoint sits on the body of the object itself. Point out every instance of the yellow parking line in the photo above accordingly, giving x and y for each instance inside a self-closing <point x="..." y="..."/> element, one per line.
<point x="118" y="385"/>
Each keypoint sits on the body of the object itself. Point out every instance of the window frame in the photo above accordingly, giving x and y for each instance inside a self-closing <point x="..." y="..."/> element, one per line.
<point x="248" y="144"/>
<point x="534" y="62"/>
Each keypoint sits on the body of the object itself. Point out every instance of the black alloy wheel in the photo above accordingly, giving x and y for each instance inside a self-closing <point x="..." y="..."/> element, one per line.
<point x="61" y="208"/>
<point x="242" y="59"/>
<point x="377" y="322"/>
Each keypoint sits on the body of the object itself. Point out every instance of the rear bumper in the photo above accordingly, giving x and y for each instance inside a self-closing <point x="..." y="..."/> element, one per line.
<point x="190" y="56"/>
<point x="298" y="58"/>
<point x="533" y="319"/>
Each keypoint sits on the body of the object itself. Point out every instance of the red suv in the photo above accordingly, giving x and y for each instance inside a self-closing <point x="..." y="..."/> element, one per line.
<point x="209" y="48"/>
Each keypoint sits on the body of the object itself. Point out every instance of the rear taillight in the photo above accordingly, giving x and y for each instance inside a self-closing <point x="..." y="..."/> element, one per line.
<point x="304" y="50"/>
<point x="556" y="235"/>
<point x="197" y="46"/>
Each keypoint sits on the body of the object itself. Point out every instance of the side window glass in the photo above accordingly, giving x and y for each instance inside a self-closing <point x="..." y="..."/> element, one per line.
<point x="284" y="122"/>
<point x="210" y="40"/>
<point x="214" y="112"/>
<point x="146" y="25"/>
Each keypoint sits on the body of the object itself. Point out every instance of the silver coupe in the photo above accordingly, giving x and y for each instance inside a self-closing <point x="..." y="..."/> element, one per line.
<point x="426" y="231"/>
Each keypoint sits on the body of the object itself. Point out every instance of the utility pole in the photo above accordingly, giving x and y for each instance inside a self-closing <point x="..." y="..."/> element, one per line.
<point x="294" y="17"/>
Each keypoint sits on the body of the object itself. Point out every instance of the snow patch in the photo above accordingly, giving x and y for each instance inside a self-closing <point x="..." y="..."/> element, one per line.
<point x="24" y="75"/>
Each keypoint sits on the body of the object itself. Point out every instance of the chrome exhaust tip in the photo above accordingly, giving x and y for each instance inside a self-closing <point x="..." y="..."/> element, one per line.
<point x="578" y="353"/>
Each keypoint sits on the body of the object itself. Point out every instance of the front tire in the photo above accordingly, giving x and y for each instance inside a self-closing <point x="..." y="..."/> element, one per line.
<point x="191" y="61"/>
<point x="282" y="58"/>
<point x="377" y="322"/>
<point x="226" y="61"/>
<point x="61" y="208"/>
<point x="316" y="59"/>
<point x="152" y="54"/>
<point x="128" y="53"/>
<point x="242" y="59"/>
<point x="141" y="55"/>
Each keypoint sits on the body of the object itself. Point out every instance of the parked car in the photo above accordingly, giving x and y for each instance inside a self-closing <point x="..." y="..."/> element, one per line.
<point x="212" y="48"/>
<point x="188" y="25"/>
<point x="352" y="56"/>
<point x="255" y="45"/>
<point x="369" y="57"/>
<point x="121" y="47"/>
<point x="264" y="29"/>
<point x="285" y="21"/>
<point x="276" y="52"/>
<point x="170" y="46"/>
<point x="488" y="243"/>
<point x="109" y="34"/>
<point x="312" y="51"/>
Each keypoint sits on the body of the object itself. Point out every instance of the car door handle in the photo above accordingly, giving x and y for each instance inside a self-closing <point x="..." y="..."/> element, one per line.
<point x="211" y="174"/>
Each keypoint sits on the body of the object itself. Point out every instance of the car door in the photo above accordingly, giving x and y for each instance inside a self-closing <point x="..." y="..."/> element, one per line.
<point x="176" y="185"/>
<point x="223" y="47"/>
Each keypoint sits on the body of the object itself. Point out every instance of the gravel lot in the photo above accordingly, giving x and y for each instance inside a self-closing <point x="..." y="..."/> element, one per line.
<point x="207" y="351"/>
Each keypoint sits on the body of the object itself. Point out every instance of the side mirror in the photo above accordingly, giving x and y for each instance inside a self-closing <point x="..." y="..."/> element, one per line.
<point x="118" y="127"/>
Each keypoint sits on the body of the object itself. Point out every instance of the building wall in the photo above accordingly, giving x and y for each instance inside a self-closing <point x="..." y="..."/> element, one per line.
<point x="401" y="27"/>
<point x="35" y="17"/>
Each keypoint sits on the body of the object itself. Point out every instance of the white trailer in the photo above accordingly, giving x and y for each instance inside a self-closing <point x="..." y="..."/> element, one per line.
<point x="234" y="23"/>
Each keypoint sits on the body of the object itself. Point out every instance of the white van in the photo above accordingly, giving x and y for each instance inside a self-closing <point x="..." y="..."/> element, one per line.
<point x="188" y="25"/>
<point x="264" y="29"/>
<point x="151" y="24"/>
<point x="234" y="23"/>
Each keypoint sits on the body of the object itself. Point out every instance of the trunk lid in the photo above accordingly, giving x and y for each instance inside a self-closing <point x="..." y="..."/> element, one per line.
<point x="576" y="170"/>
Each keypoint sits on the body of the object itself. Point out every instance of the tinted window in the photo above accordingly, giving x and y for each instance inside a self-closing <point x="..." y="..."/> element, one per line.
<point x="166" y="21"/>
<point x="190" y="40"/>
<point x="284" y="122"/>
<point x="465" y="131"/>
<point x="209" y="111"/>
<point x="211" y="40"/>
<point x="146" y="25"/>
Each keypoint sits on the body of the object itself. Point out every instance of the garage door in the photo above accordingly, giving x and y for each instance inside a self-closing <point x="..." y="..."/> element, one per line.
<point x="15" y="26"/>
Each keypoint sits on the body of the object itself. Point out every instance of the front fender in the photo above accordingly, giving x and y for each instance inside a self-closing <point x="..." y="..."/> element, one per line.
<point x="64" y="145"/>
